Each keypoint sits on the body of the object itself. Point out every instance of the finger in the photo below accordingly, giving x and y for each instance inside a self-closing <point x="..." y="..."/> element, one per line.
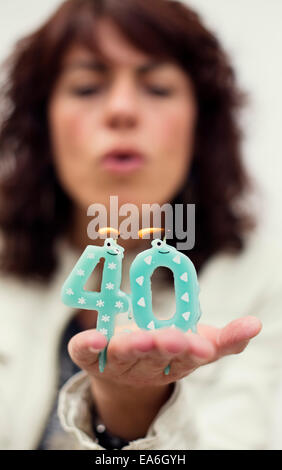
<point x="234" y="337"/>
<point x="85" y="346"/>
<point x="198" y="351"/>
<point x="126" y="350"/>
<point x="186" y="347"/>
<point x="170" y="340"/>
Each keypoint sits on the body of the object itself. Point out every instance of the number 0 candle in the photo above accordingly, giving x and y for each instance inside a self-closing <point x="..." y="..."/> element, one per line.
<point x="186" y="287"/>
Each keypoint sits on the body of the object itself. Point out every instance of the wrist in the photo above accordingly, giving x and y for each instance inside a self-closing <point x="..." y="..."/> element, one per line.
<point x="103" y="436"/>
<point x="105" y="391"/>
<point x="127" y="412"/>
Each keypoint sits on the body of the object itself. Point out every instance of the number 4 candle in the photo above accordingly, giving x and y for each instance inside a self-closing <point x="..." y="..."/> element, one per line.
<point x="110" y="300"/>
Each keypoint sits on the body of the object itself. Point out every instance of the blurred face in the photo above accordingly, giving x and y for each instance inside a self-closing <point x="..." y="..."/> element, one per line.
<point x="122" y="125"/>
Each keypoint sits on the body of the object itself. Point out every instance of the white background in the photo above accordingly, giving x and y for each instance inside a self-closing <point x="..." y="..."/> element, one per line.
<point x="251" y="32"/>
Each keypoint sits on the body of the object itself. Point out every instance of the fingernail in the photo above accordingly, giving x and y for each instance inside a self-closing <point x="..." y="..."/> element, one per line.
<point x="94" y="351"/>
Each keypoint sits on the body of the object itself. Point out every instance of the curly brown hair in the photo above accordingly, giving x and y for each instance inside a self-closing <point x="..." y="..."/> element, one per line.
<point x="35" y="210"/>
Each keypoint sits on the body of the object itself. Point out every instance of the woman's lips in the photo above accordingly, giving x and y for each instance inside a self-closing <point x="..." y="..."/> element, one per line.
<point x="122" y="161"/>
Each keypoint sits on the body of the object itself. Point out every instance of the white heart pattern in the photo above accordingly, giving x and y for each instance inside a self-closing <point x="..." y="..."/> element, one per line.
<point x="148" y="259"/>
<point x="176" y="259"/>
<point x="184" y="277"/>
<point x="151" y="325"/>
<point x="140" y="280"/>
<point x="141" y="302"/>
<point x="185" y="297"/>
<point x="186" y="315"/>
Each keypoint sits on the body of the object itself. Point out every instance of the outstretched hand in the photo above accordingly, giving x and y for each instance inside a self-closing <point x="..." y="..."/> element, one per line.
<point x="139" y="358"/>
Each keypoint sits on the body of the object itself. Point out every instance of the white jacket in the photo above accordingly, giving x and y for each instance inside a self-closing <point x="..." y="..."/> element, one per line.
<point x="225" y="405"/>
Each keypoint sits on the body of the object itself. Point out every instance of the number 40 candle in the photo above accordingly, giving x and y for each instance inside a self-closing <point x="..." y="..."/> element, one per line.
<point x="111" y="300"/>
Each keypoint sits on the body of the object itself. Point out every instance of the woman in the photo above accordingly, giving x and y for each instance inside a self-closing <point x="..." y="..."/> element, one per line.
<point x="150" y="81"/>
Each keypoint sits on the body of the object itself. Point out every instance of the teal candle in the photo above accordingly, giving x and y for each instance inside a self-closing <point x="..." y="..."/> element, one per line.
<point x="110" y="300"/>
<point x="186" y="287"/>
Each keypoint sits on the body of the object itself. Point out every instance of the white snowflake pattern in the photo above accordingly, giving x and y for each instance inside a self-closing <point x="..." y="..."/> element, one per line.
<point x="90" y="256"/>
<point x="104" y="331"/>
<point x="80" y="272"/>
<point x="100" y="303"/>
<point x="119" y="304"/>
<point x="112" y="266"/>
<point x="106" y="318"/>
<point x="69" y="291"/>
<point x="81" y="300"/>
<point x="109" y="285"/>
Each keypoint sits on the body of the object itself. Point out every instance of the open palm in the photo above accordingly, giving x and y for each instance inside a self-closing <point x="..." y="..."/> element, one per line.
<point x="139" y="358"/>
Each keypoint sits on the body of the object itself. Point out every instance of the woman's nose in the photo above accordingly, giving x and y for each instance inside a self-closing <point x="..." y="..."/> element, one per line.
<point x="122" y="106"/>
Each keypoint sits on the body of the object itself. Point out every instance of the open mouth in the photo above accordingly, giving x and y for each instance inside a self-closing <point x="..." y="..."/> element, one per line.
<point x="163" y="252"/>
<point x="122" y="162"/>
<point x="114" y="254"/>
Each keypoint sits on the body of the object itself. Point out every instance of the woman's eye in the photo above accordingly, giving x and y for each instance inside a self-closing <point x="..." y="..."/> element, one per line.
<point x="159" y="91"/>
<point x="86" y="91"/>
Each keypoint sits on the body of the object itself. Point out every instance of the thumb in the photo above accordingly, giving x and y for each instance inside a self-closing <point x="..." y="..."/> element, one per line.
<point x="85" y="346"/>
<point x="234" y="337"/>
